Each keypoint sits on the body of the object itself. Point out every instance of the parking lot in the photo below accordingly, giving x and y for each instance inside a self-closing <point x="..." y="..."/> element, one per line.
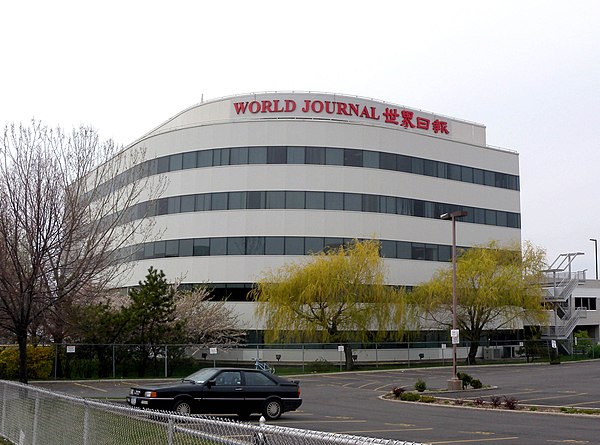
<point x="351" y="403"/>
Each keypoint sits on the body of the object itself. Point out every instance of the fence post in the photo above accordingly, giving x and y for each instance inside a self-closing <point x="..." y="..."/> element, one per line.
<point x="170" y="431"/>
<point x="166" y="360"/>
<point x="303" y="357"/>
<point x="36" y="413"/>
<point x="86" y="423"/>
<point x="113" y="362"/>
<point x="3" y="408"/>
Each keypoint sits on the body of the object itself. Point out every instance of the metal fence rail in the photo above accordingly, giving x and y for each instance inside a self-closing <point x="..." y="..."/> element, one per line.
<point x="34" y="416"/>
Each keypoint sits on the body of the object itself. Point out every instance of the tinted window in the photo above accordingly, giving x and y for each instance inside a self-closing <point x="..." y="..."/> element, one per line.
<point x="163" y="164"/>
<point x="276" y="155"/>
<point x="201" y="246"/>
<point x="172" y="248"/>
<point x="238" y="156"/>
<point x="256" y="200"/>
<point x="294" y="245"/>
<point x="205" y="158"/>
<point x="186" y="247"/>
<point x="258" y="379"/>
<point x="175" y="162"/>
<point x="275" y="200"/>
<point x="188" y="203"/>
<point x="237" y="200"/>
<point x="236" y="246"/>
<point x="353" y="158"/>
<point x="255" y="245"/>
<point x="371" y="159"/>
<point x="294" y="200"/>
<point x="315" y="200"/>
<point x="189" y="159"/>
<point x="295" y="155"/>
<point x="218" y="246"/>
<point x="313" y="244"/>
<point x="219" y="201"/>
<point x="174" y="204"/>
<point x="334" y="201"/>
<point x="315" y="155"/>
<point x="334" y="156"/>
<point x="387" y="161"/>
<point x="352" y="201"/>
<point x="274" y="245"/>
<point x="257" y="155"/>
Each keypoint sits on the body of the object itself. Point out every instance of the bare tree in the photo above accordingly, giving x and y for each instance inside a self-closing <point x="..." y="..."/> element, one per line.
<point x="66" y="213"/>
<point x="207" y="322"/>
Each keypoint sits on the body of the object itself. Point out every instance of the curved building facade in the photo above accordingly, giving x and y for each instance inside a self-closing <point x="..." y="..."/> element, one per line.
<point x="257" y="180"/>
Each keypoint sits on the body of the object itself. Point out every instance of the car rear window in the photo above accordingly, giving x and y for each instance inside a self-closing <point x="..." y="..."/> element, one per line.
<point x="258" y="379"/>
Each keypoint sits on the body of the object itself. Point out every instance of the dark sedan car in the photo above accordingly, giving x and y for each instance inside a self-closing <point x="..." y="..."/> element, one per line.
<point x="222" y="391"/>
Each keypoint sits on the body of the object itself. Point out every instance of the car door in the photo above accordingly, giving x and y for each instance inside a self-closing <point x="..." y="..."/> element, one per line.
<point x="224" y="394"/>
<point x="258" y="387"/>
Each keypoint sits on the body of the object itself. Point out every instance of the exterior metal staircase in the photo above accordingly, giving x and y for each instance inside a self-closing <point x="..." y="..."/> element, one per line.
<point x="559" y="283"/>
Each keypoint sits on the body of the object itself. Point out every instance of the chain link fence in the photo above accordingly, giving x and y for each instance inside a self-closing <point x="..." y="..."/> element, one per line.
<point x="33" y="416"/>
<point x="92" y="361"/>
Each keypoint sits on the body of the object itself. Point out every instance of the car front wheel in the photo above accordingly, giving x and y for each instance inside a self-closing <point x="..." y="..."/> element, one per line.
<point x="273" y="409"/>
<point x="182" y="407"/>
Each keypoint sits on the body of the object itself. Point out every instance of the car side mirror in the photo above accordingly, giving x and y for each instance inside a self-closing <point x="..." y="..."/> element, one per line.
<point x="210" y="383"/>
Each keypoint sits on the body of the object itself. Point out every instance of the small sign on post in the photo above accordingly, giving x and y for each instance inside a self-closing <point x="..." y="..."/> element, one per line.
<point x="70" y="349"/>
<point x="553" y="343"/>
<point x="340" y="350"/>
<point x="455" y="336"/>
<point x="213" y="352"/>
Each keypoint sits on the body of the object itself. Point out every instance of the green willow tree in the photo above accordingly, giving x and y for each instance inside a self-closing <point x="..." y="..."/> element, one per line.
<point x="338" y="296"/>
<point x="497" y="288"/>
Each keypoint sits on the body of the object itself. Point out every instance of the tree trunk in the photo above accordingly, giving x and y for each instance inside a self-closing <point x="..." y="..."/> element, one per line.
<point x="22" y="341"/>
<point x="471" y="358"/>
<point x="348" y="356"/>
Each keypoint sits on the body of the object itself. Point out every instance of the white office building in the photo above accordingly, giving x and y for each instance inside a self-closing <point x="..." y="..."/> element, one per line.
<point x="258" y="180"/>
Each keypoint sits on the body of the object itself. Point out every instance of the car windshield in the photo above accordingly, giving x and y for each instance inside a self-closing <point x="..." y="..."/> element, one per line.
<point x="201" y="376"/>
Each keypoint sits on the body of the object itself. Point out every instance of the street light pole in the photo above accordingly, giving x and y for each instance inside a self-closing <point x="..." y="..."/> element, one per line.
<point x="596" y="251"/>
<point x="454" y="383"/>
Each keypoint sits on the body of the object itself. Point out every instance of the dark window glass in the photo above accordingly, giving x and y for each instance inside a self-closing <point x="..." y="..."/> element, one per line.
<point x="189" y="159"/>
<point x="201" y="246"/>
<point x="238" y="156"/>
<point x="352" y="202"/>
<point x="388" y="249"/>
<point x="478" y="176"/>
<point x="258" y="379"/>
<point x="370" y="203"/>
<point x="489" y="178"/>
<point x="219" y="201"/>
<point x="313" y="244"/>
<point x="454" y="172"/>
<point x="218" y="246"/>
<point x="295" y="155"/>
<point x="256" y="200"/>
<point x="390" y="204"/>
<point x="404" y="163"/>
<point x="188" y="203"/>
<point x="255" y="245"/>
<point x="186" y="247"/>
<point x="417" y="166"/>
<point x="404" y="250"/>
<point x="163" y="206"/>
<point x="174" y="204"/>
<point x="512" y="220"/>
<point x="294" y="200"/>
<point x="501" y="219"/>
<point x="513" y="182"/>
<point x="237" y="200"/>
<point x="172" y="248"/>
<point x="490" y="217"/>
<point x="418" y="208"/>
<point x="149" y="250"/>
<point x="163" y="164"/>
<point x="205" y="158"/>
<point x="315" y="200"/>
<point x="418" y="251"/>
<point x="294" y="245"/>
<point x="470" y="214"/>
<point x="275" y="200"/>
<point x="467" y="174"/>
<point x="430" y="167"/>
<point x="478" y="216"/>
<point x="371" y="159"/>
<point x="175" y="162"/>
<point x="152" y="167"/>
<point x="257" y="155"/>
<point x="445" y="253"/>
<point x="160" y="248"/>
<point x="387" y="161"/>
<point x="334" y="201"/>
<point x="442" y="170"/>
<point x="429" y="209"/>
<point x="225" y="156"/>
<point x="333" y="243"/>
<point x="431" y="252"/>
<point x="203" y="202"/>
<point x="216" y="157"/>
<point x="274" y="245"/>
<point x="405" y="206"/>
<point x="315" y="155"/>
<point x="334" y="156"/>
<point x="276" y="155"/>
<point x="353" y="158"/>
<point x="236" y="245"/>
<point x="501" y="180"/>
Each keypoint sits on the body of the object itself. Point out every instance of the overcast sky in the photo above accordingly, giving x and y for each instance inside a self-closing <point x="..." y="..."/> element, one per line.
<point x="528" y="70"/>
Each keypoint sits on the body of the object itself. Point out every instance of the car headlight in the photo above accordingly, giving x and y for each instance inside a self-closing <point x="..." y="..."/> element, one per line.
<point x="150" y="394"/>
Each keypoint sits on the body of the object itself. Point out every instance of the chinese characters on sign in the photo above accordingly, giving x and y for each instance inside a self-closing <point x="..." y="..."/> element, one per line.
<point x="403" y="118"/>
